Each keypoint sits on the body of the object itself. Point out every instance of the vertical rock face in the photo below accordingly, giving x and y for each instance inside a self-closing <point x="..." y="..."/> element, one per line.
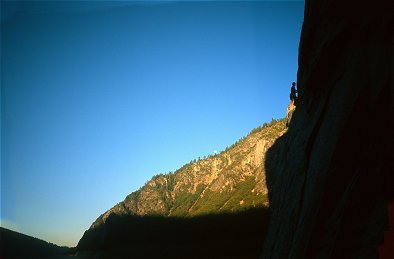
<point x="331" y="175"/>
<point x="289" y="113"/>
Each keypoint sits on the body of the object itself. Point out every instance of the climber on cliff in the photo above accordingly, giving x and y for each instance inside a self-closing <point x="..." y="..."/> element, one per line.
<point x="293" y="92"/>
<point x="292" y="104"/>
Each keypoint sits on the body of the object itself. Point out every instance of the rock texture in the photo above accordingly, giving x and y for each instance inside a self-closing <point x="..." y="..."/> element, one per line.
<point x="331" y="175"/>
<point x="289" y="113"/>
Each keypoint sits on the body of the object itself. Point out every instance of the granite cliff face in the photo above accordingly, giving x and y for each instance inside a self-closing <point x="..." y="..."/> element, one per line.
<point x="331" y="175"/>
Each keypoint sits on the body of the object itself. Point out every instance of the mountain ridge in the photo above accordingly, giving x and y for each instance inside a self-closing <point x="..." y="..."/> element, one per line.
<point x="12" y="241"/>
<point x="229" y="181"/>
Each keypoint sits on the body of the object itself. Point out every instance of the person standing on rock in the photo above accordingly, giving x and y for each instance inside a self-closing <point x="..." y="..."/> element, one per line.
<point x="293" y="92"/>
<point x="292" y="104"/>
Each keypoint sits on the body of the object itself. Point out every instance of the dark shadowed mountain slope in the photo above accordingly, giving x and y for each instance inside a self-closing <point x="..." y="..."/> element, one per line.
<point x="223" y="235"/>
<point x="17" y="245"/>
<point x="331" y="175"/>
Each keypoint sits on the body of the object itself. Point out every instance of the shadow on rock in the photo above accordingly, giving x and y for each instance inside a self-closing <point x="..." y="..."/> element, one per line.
<point x="226" y="235"/>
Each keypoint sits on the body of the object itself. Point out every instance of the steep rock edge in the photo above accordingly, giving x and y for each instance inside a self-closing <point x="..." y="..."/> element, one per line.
<point x="232" y="180"/>
<point x="331" y="175"/>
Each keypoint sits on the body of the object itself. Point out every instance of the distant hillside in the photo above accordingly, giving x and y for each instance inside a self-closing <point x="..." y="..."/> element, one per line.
<point x="17" y="245"/>
<point x="218" y="202"/>
<point x="229" y="181"/>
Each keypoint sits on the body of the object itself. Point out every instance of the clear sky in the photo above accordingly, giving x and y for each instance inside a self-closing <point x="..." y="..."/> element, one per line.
<point x="97" y="97"/>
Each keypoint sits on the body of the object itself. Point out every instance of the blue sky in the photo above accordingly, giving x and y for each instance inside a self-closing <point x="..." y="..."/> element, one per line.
<point x="97" y="97"/>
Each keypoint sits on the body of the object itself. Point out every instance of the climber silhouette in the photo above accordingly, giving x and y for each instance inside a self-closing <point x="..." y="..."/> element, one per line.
<point x="293" y="92"/>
